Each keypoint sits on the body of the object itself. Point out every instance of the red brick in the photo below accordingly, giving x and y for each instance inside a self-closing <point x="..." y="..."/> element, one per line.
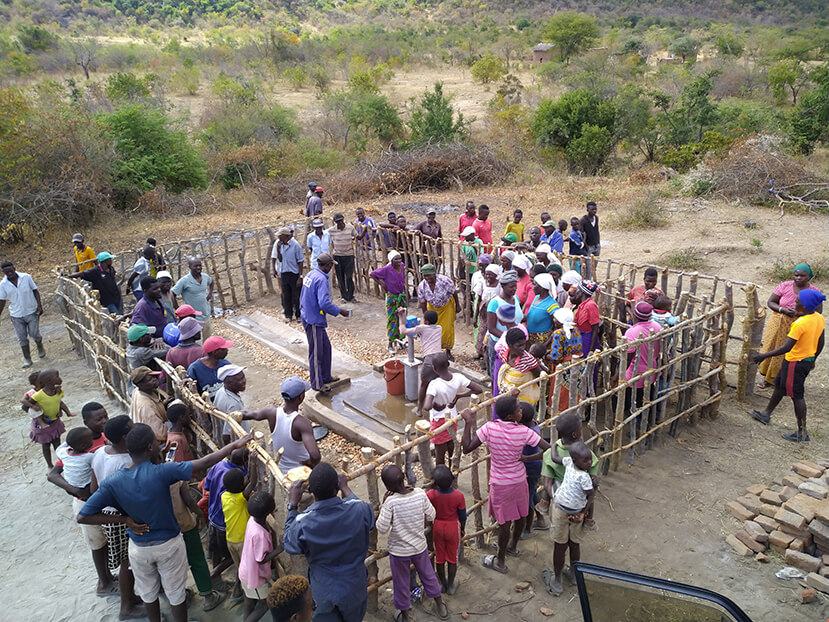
<point x="820" y="529"/>
<point x="808" y="596"/>
<point x="767" y="496"/>
<point x="802" y="561"/>
<point x="790" y="519"/>
<point x="741" y="549"/>
<point x="821" y="584"/>
<point x="807" y="469"/>
<point x="780" y="541"/>
<point x="769" y="524"/>
<point x="805" y="505"/>
<point x="767" y="509"/>
<point x="745" y="538"/>
<point x="798" y="544"/>
<point x="755" y="531"/>
<point x="755" y="489"/>
<point x="825" y="560"/>
<point x="738" y="511"/>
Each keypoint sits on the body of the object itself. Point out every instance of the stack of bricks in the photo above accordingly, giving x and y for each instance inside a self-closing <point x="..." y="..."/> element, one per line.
<point x="789" y="517"/>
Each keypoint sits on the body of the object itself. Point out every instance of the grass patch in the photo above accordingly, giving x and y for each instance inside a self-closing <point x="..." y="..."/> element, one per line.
<point x="782" y="269"/>
<point x="685" y="259"/>
<point x="645" y="213"/>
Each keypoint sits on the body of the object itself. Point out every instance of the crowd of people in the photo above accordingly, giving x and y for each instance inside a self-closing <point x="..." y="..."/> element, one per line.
<point x="141" y="495"/>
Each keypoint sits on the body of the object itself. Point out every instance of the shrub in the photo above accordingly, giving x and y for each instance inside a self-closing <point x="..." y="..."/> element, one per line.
<point x="487" y="69"/>
<point x="433" y="120"/>
<point x="684" y="47"/>
<point x="186" y="81"/>
<point x="685" y="259"/>
<point x="296" y="77"/>
<point x="782" y="269"/>
<point x="556" y="123"/>
<point x="646" y="213"/>
<point x="587" y="153"/>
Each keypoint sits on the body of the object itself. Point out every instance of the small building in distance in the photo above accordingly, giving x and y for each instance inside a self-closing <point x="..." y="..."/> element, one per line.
<point x="542" y="53"/>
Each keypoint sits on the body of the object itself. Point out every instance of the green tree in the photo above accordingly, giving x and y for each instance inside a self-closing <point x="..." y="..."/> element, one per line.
<point x="809" y="121"/>
<point x="487" y="69"/>
<point x="572" y="33"/>
<point x="728" y="44"/>
<point x="587" y="153"/>
<point x="127" y="87"/>
<point x="375" y="116"/>
<point x="433" y="120"/>
<point x="684" y="47"/>
<point x="35" y="38"/>
<point x="558" y="122"/>
<point x="787" y="74"/>
<point x="149" y="153"/>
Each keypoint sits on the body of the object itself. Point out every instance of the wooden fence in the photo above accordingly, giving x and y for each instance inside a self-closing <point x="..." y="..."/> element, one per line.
<point x="687" y="382"/>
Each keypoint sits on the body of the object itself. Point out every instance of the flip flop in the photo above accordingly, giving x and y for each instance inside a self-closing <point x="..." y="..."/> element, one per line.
<point x="488" y="561"/>
<point x="515" y="553"/>
<point x="112" y="590"/>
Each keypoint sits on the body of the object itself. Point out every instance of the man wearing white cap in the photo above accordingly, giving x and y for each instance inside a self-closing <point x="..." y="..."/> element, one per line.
<point x="286" y="263"/>
<point x="290" y="430"/>
<point x="228" y="397"/>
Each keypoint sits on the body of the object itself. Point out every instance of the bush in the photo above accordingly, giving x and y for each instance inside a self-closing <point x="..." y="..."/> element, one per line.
<point x="487" y="69"/>
<point x="685" y="259"/>
<point x="684" y="47"/>
<point x="572" y="33"/>
<point x="186" y="81"/>
<point x="433" y="120"/>
<point x="556" y="123"/>
<point x="587" y="153"/>
<point x="296" y="77"/>
<point x="645" y="213"/>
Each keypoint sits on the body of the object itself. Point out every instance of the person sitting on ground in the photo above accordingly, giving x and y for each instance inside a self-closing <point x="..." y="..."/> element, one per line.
<point x="238" y="487"/>
<point x="430" y="347"/>
<point x="187" y="350"/>
<point x="442" y="394"/>
<point x="801" y="349"/>
<point x="290" y="599"/>
<point x="258" y="554"/>
<point x="402" y="516"/>
<point x="290" y="430"/>
<point x="516" y="226"/>
<point x="508" y="492"/>
<point x="448" y="526"/>
<point x="333" y="534"/>
<point x="205" y="371"/>
<point x="142" y="350"/>
<point x="228" y="398"/>
<point x="535" y="519"/>
<point x="157" y="551"/>
<point x="571" y="503"/>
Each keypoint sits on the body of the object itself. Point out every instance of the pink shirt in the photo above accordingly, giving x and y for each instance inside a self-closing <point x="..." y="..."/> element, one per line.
<point x="640" y="361"/>
<point x="252" y="573"/>
<point x="786" y="292"/>
<point x="483" y="229"/>
<point x="506" y="441"/>
<point x="466" y="221"/>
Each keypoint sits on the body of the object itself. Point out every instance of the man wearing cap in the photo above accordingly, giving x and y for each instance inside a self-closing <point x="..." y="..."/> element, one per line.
<point x="228" y="398"/>
<point x="313" y="206"/>
<point x="196" y="288"/>
<point x="315" y="303"/>
<point x="205" y="371"/>
<point x="141" y="350"/>
<point x="311" y="187"/>
<point x="149" y="310"/>
<point x="343" y="235"/>
<point x="144" y="266"/>
<point x="84" y="255"/>
<point x="319" y="242"/>
<point x="187" y="350"/>
<point x="146" y="404"/>
<point x="290" y="430"/>
<point x="549" y="232"/>
<point x="102" y="278"/>
<point x="430" y="231"/>
<point x="25" y="309"/>
<point x="286" y="263"/>
<point x="168" y="298"/>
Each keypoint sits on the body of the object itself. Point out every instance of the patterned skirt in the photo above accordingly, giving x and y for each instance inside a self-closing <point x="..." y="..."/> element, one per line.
<point x="777" y="331"/>
<point x="117" y="541"/>
<point x="394" y="302"/>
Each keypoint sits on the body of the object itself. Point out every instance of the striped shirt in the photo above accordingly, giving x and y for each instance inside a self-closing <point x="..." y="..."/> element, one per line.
<point x="523" y="363"/>
<point x="506" y="440"/>
<point x="403" y="518"/>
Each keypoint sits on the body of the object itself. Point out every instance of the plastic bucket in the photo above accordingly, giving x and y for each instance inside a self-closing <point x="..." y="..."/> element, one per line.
<point x="395" y="380"/>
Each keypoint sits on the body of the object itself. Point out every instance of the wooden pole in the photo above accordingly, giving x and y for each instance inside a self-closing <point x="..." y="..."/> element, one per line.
<point x="752" y="341"/>
<point x="367" y="456"/>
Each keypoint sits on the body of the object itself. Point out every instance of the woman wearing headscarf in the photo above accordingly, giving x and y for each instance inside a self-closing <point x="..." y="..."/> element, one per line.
<point x="518" y="367"/>
<point x="506" y="318"/>
<point x="586" y="314"/>
<point x="506" y="260"/>
<point x="782" y="303"/>
<point x="438" y="293"/>
<point x="565" y="344"/>
<point x="539" y="310"/>
<point x="485" y="290"/>
<point x="555" y="270"/>
<point x="569" y="279"/>
<point x="392" y="280"/>
<point x="508" y="282"/>
<point x="522" y="266"/>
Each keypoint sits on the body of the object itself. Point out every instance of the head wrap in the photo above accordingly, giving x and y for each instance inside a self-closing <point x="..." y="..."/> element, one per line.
<point x="546" y="281"/>
<point x="428" y="268"/>
<point x="555" y="267"/>
<point x="505" y="313"/>
<point x="811" y="299"/>
<point x="806" y="268"/>
<point x="485" y="259"/>
<point x="494" y="268"/>
<point x="392" y="255"/>
<point x="571" y="277"/>
<point x="511" y="237"/>
<point x="509" y="255"/>
<point x="543" y="248"/>
<point x="522" y="263"/>
<point x="565" y="318"/>
<point x="510" y="276"/>
<point x="589" y="287"/>
<point x="642" y="311"/>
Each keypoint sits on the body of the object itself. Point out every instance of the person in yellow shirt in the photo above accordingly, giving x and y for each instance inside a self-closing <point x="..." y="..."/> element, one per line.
<point x="803" y="345"/>
<point x="84" y="255"/>
<point x="235" y="509"/>
<point x="516" y="226"/>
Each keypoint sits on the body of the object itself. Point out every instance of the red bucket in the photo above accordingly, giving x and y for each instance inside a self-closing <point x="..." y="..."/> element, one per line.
<point x="395" y="380"/>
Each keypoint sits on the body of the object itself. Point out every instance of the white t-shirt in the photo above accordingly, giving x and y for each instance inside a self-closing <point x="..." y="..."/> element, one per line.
<point x="143" y="267"/>
<point x="444" y="392"/>
<point x="22" y="301"/>
<point x="572" y="494"/>
<point x="105" y="464"/>
<point x="77" y="468"/>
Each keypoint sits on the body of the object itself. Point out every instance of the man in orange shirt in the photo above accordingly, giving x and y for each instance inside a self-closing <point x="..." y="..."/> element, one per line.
<point x="803" y="346"/>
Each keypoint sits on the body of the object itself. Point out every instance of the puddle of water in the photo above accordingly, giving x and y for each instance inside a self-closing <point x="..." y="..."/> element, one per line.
<point x="366" y="398"/>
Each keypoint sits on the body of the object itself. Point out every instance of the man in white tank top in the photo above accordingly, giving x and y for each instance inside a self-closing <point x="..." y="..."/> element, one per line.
<point x="289" y="429"/>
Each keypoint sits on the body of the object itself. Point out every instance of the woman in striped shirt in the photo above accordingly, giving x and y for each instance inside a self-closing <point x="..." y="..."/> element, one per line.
<point x="509" y="499"/>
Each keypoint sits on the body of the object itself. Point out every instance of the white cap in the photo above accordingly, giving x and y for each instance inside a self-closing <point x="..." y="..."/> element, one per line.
<point x="543" y="248"/>
<point x="468" y="231"/>
<point x="229" y="370"/>
<point x="163" y="274"/>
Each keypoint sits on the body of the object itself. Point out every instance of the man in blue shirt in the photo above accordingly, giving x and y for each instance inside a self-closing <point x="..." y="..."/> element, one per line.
<point x="286" y="263"/>
<point x="315" y="303"/>
<point x="149" y="310"/>
<point x="142" y="494"/>
<point x="313" y="206"/>
<point x="333" y="535"/>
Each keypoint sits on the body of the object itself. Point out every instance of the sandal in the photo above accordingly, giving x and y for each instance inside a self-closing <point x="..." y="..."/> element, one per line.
<point x="515" y="553"/>
<point x="112" y="590"/>
<point x="554" y="587"/>
<point x="488" y="561"/>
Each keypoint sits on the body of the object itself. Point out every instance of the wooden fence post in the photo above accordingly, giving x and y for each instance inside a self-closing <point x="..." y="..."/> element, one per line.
<point x="753" y="324"/>
<point x="367" y="455"/>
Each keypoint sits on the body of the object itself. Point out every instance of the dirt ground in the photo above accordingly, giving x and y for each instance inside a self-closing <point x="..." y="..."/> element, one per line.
<point x="667" y="515"/>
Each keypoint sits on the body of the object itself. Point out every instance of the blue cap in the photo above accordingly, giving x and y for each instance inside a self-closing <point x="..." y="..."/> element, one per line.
<point x="293" y="387"/>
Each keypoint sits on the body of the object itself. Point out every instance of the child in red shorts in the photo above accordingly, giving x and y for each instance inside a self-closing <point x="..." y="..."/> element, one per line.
<point x="450" y="510"/>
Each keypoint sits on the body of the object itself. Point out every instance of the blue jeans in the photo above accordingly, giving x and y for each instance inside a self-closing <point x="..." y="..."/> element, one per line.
<point x="114" y="308"/>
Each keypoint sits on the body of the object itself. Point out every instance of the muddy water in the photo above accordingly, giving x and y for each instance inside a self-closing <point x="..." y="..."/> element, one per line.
<point x="366" y="398"/>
